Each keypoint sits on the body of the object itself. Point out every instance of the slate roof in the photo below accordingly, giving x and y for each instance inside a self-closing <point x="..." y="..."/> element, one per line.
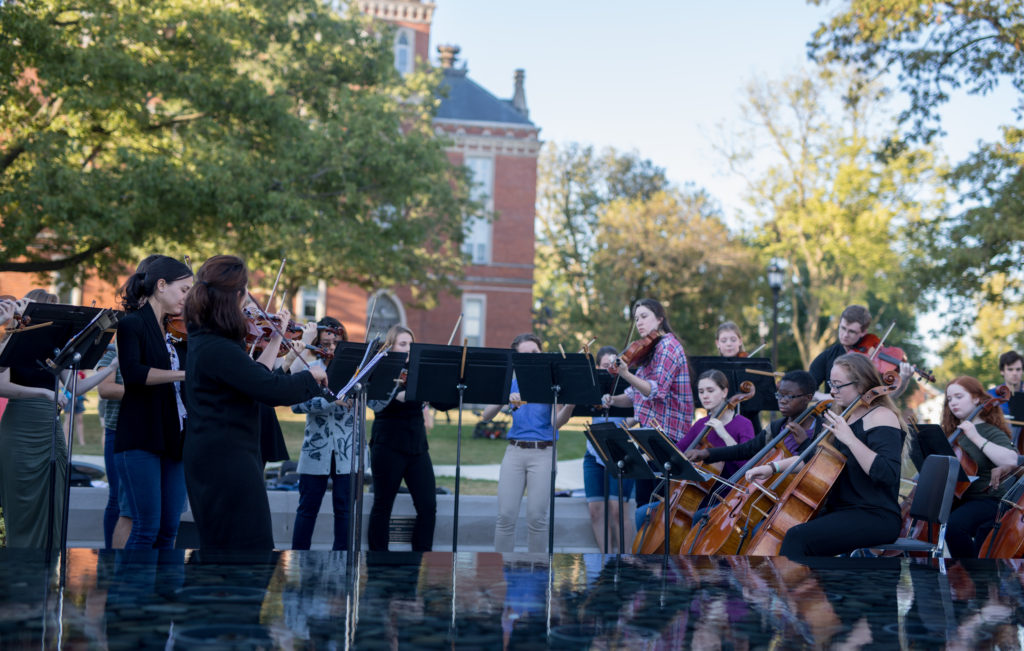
<point x="467" y="100"/>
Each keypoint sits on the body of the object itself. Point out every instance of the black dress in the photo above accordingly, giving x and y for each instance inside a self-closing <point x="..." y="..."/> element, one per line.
<point x="223" y="468"/>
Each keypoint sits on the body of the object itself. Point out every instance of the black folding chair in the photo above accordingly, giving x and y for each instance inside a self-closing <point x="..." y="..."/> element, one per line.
<point x="932" y="503"/>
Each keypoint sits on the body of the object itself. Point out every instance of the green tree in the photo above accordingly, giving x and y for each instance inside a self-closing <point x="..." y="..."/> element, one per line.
<point x="268" y="128"/>
<point x="828" y="206"/>
<point x="935" y="48"/>
<point x="574" y="182"/>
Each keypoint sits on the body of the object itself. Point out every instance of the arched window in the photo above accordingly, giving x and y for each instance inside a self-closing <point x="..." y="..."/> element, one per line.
<point x="404" y="39"/>
<point x="387" y="311"/>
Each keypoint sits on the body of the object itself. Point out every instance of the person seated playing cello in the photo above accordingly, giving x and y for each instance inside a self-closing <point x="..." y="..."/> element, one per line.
<point x="862" y="509"/>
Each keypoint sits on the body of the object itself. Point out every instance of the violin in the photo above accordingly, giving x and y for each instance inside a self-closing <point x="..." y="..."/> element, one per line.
<point x="887" y="358"/>
<point x="321" y="352"/>
<point x="176" y="328"/>
<point x="638" y="350"/>
<point x="260" y="328"/>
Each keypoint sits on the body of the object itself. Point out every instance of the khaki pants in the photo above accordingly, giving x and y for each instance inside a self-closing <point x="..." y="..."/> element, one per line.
<point x="529" y="470"/>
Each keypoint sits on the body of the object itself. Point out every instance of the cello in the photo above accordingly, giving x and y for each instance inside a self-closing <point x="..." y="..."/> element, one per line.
<point x="1006" y="540"/>
<point x="807" y="492"/>
<point x="733" y="519"/>
<point x="686" y="497"/>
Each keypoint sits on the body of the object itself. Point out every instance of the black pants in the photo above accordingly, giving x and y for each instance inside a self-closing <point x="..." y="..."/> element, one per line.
<point x="390" y="467"/>
<point x="841" y="532"/>
<point x="968" y="525"/>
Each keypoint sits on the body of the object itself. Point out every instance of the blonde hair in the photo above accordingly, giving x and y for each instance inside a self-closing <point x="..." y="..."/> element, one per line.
<point x="865" y="376"/>
<point x="394" y="331"/>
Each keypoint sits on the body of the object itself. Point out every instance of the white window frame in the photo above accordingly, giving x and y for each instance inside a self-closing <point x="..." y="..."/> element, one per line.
<point x="482" y="298"/>
<point x="408" y="49"/>
<point x="479" y="228"/>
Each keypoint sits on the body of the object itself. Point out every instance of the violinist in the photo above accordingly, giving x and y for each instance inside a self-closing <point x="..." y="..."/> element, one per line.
<point x="151" y="422"/>
<point x="1011" y="367"/>
<point x="526" y="465"/>
<point x="26" y="440"/>
<point x="853" y="325"/>
<point x="223" y="468"/>
<point x="326" y="453"/>
<point x="729" y="341"/>
<point x="659" y="390"/>
<point x="594" y="475"/>
<point x="399" y="450"/>
<point x="986" y="439"/>
<point x="728" y="429"/>
<point x="795" y="390"/>
<point x="862" y="509"/>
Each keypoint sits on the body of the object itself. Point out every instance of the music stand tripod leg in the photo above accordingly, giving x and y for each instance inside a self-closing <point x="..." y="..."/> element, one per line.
<point x="668" y="482"/>
<point x="622" y="514"/>
<point x="458" y="471"/>
<point x="554" y="470"/>
<point x="605" y="548"/>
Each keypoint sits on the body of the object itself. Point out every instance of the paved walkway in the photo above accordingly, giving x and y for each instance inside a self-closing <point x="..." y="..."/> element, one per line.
<point x="569" y="477"/>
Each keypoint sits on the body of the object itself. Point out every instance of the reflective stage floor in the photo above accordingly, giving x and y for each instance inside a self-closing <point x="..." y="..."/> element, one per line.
<point x="318" y="600"/>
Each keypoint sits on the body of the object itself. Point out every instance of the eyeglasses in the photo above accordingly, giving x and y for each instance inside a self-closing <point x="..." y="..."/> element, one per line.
<point x="783" y="397"/>
<point x="837" y="387"/>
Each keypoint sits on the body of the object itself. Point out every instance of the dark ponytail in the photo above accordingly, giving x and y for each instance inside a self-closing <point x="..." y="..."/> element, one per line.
<point x="213" y="302"/>
<point x="142" y="284"/>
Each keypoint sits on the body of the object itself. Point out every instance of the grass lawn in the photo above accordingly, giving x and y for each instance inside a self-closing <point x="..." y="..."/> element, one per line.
<point x="442" y="437"/>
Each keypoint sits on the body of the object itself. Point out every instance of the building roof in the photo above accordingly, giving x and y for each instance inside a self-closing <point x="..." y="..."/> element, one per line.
<point x="467" y="100"/>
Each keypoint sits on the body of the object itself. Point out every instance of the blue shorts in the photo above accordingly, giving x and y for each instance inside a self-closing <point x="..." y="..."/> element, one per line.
<point x="593" y="481"/>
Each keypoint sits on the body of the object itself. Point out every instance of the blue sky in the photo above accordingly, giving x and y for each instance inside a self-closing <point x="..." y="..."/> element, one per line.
<point x="655" y="77"/>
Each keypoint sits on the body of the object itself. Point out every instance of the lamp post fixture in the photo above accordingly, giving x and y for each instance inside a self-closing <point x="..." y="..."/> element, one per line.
<point x="776" y="277"/>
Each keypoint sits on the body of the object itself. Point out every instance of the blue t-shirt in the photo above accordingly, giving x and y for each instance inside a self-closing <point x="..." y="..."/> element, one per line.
<point x="530" y="422"/>
<point x="1005" y="405"/>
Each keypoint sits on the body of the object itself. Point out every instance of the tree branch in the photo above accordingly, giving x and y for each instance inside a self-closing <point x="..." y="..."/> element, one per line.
<point x="36" y="266"/>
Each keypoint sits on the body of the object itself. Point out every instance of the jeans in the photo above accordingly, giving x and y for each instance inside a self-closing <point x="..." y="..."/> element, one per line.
<point x="156" y="493"/>
<point x="311" y="494"/>
<point x="529" y="470"/>
<point x="593" y="481"/>
<point x="112" y="511"/>
<point x="389" y="468"/>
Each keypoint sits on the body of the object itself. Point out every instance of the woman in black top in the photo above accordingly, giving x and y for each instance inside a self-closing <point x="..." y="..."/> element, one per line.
<point x="398" y="450"/>
<point x="223" y="469"/>
<point x="151" y="424"/>
<point x="26" y="439"/>
<point x="862" y="510"/>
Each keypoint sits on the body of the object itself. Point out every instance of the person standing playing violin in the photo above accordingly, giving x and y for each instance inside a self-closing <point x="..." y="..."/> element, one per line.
<point x="223" y="468"/>
<point x="862" y="509"/>
<point x="399" y="450"/>
<point x="151" y="423"/>
<point x="986" y="440"/>
<point x="853" y="325"/>
<point x="659" y="391"/>
<point x="326" y="452"/>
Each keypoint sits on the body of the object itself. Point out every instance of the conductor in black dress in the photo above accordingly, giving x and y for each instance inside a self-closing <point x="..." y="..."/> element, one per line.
<point x="223" y="469"/>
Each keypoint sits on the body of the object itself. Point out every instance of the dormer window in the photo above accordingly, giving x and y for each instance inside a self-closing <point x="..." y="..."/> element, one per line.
<point x="404" y="39"/>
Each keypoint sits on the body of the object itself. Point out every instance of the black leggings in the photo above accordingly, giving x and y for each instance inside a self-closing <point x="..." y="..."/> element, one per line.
<point x="968" y="525"/>
<point x="841" y="532"/>
<point x="390" y="467"/>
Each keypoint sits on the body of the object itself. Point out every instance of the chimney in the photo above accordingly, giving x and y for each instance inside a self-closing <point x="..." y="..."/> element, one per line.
<point x="519" y="97"/>
<point x="448" y="54"/>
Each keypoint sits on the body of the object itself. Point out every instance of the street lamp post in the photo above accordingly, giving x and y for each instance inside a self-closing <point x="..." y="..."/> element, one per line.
<point x="775" y="279"/>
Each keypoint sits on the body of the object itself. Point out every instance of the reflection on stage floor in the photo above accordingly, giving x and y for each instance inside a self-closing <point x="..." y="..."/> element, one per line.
<point x="319" y="599"/>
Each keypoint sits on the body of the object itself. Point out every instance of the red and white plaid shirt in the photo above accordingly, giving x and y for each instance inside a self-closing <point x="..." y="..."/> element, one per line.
<point x="671" y="400"/>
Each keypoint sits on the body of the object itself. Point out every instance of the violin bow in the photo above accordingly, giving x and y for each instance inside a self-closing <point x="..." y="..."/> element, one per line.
<point x="188" y="262"/>
<point x="881" y="342"/>
<point x="369" y="318"/>
<point x="455" y="329"/>
<point x="270" y="300"/>
<point x="615" y="384"/>
<point x="757" y="350"/>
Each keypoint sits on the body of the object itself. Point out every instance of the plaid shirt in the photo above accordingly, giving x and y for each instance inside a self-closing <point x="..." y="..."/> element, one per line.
<point x="671" y="399"/>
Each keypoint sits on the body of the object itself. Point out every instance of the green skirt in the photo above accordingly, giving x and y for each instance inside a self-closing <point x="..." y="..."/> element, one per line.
<point x="26" y="434"/>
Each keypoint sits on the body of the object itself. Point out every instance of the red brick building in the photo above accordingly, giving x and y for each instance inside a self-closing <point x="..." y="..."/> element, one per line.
<point x="496" y="140"/>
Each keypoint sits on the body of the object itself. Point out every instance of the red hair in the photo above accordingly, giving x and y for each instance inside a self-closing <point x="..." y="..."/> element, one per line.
<point x="992" y="415"/>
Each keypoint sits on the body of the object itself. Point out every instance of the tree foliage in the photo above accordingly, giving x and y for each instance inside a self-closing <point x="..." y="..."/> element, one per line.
<point x="267" y="128"/>
<point x="613" y="230"/>
<point x="828" y="206"/>
<point x="936" y="48"/>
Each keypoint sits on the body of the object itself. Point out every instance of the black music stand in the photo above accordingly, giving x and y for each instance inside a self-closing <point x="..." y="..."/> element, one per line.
<point x="377" y="383"/>
<point x="931" y="440"/>
<point x="553" y="379"/>
<point x="621" y="459"/>
<point x="438" y="375"/>
<point x="76" y="338"/>
<point x="606" y="383"/>
<point x="735" y="370"/>
<point x="674" y="465"/>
